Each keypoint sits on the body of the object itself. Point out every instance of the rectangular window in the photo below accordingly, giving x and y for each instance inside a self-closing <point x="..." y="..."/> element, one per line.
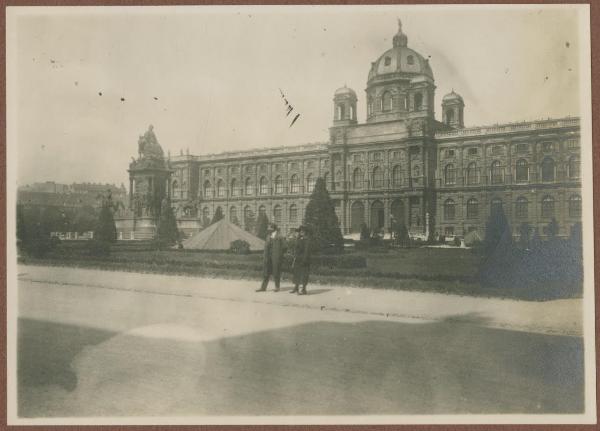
<point x="497" y="150"/>
<point x="573" y="143"/>
<point x="547" y="146"/>
<point x="522" y="148"/>
<point x="472" y="152"/>
<point x="449" y="153"/>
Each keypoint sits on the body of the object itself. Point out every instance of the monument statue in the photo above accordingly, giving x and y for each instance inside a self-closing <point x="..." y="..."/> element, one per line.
<point x="148" y="146"/>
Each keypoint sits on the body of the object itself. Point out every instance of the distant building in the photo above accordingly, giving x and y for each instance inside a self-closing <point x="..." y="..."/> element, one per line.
<point x="51" y="194"/>
<point x="433" y="176"/>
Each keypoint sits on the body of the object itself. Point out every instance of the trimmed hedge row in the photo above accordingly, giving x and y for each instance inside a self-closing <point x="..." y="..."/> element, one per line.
<point x="251" y="261"/>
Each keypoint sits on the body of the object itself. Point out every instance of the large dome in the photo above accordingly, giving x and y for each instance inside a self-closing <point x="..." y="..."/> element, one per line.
<point x="400" y="59"/>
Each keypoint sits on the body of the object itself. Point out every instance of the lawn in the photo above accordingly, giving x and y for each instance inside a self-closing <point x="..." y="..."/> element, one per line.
<point x="418" y="269"/>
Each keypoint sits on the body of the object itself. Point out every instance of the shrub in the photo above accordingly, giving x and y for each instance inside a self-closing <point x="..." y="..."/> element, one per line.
<point x="37" y="247"/>
<point x="239" y="246"/>
<point x="364" y="232"/>
<point x="97" y="248"/>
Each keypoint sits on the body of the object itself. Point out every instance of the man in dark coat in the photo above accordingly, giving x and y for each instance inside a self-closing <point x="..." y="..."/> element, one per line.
<point x="272" y="257"/>
<point x="301" y="263"/>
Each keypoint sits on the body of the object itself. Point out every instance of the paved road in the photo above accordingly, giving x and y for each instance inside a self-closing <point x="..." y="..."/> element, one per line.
<point x="95" y="343"/>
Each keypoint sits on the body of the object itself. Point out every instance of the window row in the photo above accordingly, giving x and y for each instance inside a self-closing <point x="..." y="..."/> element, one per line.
<point x="522" y="171"/>
<point x="277" y="167"/>
<point x="386" y="103"/>
<point x="378" y="180"/>
<point x="247" y="216"/>
<point x="521" y="207"/>
<point x="248" y="187"/>
<point x="519" y="148"/>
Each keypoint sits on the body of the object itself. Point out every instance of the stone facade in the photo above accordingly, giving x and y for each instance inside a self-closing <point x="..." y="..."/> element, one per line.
<point x="434" y="176"/>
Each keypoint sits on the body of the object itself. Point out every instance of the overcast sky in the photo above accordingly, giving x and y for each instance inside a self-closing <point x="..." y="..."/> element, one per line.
<point x="208" y="79"/>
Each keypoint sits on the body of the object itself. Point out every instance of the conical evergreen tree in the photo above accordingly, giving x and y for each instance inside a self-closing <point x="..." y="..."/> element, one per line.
<point x="167" y="234"/>
<point x="261" y="225"/>
<point x="106" y="229"/>
<point x="497" y="231"/>
<point x="322" y="221"/>
<point x="217" y="216"/>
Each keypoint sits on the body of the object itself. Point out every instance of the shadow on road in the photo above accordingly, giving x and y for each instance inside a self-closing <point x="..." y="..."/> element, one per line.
<point x="318" y="368"/>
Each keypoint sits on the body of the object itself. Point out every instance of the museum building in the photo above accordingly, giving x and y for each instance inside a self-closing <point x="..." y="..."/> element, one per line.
<point x="403" y="164"/>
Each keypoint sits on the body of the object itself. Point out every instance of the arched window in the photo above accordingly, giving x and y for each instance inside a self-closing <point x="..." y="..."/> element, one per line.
<point x="472" y="174"/>
<point x="263" y="186"/>
<point x="233" y="217"/>
<point x="449" y="210"/>
<point x="221" y="188"/>
<point x="351" y="112"/>
<point x="377" y="177"/>
<point x="327" y="181"/>
<point x="522" y="207"/>
<point x="472" y="208"/>
<point x="310" y="183"/>
<point x="208" y="191"/>
<point x="235" y="189"/>
<point x="496" y="172"/>
<point x="294" y="184"/>
<point x="397" y="176"/>
<point x="449" y="116"/>
<point x="574" y="167"/>
<point x="386" y="101"/>
<point x="262" y="210"/>
<point x="278" y="185"/>
<point x="277" y="214"/>
<point x="495" y="205"/>
<point x="357" y="179"/>
<point x="293" y="214"/>
<point x="410" y="59"/>
<point x="449" y="174"/>
<point x="548" y="169"/>
<point x="575" y="206"/>
<point x="418" y="101"/>
<point x="175" y="189"/>
<point x="248" y="187"/>
<point x="547" y="206"/>
<point x="340" y="112"/>
<point x="522" y="171"/>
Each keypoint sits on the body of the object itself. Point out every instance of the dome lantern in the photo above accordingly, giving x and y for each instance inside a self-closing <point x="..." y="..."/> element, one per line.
<point x="400" y="39"/>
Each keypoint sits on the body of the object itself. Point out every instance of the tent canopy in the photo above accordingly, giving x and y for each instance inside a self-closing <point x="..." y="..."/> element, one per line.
<point x="220" y="235"/>
<point x="472" y="237"/>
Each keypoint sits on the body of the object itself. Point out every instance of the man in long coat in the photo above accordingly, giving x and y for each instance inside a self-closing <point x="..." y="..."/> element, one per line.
<point x="272" y="257"/>
<point x="301" y="264"/>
